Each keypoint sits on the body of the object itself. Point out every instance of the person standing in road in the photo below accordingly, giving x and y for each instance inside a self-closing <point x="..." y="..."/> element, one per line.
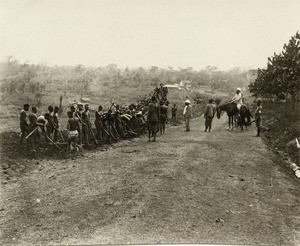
<point x="99" y="123"/>
<point x="73" y="130"/>
<point x="32" y="128"/>
<point x="78" y="115"/>
<point x="187" y="113"/>
<point x="257" y="116"/>
<point x="86" y="123"/>
<point x="209" y="114"/>
<point x="174" y="111"/>
<point x="50" y="123"/>
<point x="23" y="122"/>
<point x="55" y="124"/>
<point x="152" y="120"/>
<point x="163" y="114"/>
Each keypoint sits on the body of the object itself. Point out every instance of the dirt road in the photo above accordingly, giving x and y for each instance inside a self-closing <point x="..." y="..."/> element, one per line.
<point x="188" y="187"/>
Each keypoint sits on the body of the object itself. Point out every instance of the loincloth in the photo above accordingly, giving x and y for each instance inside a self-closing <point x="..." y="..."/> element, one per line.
<point x="72" y="134"/>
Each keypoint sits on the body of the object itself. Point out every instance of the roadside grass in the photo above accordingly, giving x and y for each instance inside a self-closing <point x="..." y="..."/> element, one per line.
<point x="282" y="123"/>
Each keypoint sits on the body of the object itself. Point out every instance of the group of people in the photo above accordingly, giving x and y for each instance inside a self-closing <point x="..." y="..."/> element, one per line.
<point x="157" y="117"/>
<point x="116" y="122"/>
<point x="161" y="92"/>
<point x="210" y="111"/>
<point x="208" y="114"/>
<point x="30" y="123"/>
<point x="239" y="100"/>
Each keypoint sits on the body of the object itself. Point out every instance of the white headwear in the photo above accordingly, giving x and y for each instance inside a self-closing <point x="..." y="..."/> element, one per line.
<point x="187" y="101"/>
<point x="239" y="89"/>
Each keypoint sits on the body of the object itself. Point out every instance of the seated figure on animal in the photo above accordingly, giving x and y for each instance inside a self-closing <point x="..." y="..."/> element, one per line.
<point x="238" y="98"/>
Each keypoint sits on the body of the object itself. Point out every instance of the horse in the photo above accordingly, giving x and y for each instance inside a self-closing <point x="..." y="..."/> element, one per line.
<point x="244" y="117"/>
<point x="231" y="110"/>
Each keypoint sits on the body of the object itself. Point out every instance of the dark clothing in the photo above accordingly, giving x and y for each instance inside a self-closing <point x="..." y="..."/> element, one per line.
<point x="208" y="123"/>
<point x="56" y="126"/>
<point x="99" y="124"/>
<point x="32" y="119"/>
<point x="78" y="115"/>
<point x="31" y="129"/>
<point x="187" y="123"/>
<point x="257" y="115"/>
<point x="23" y="121"/>
<point x="55" y="120"/>
<point x="86" y="125"/>
<point x="152" y="120"/>
<point x="23" y="116"/>
<point x="50" y="125"/>
<point x="23" y="124"/>
<point x="210" y="110"/>
<point x="152" y="115"/>
<point x="174" y="111"/>
<point x="163" y="114"/>
<point x="258" y="121"/>
<point x="209" y="115"/>
<point x="152" y="127"/>
<point x="98" y="115"/>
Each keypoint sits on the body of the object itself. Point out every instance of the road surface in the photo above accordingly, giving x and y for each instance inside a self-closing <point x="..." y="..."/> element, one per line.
<point x="189" y="187"/>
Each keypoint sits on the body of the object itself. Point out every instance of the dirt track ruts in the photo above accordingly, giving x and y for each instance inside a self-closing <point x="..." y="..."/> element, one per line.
<point x="188" y="187"/>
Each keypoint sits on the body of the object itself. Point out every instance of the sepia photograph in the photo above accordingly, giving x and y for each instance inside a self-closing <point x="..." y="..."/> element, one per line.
<point x="150" y="122"/>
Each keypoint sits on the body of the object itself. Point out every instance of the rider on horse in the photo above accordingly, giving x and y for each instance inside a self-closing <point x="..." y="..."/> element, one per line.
<point x="238" y="98"/>
<point x="236" y="110"/>
<point x="243" y="113"/>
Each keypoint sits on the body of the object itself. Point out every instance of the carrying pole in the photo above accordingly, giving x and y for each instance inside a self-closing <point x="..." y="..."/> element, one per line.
<point x="32" y="132"/>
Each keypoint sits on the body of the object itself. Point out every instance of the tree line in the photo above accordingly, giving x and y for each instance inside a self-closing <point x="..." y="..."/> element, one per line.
<point x="29" y="82"/>
<point x="281" y="77"/>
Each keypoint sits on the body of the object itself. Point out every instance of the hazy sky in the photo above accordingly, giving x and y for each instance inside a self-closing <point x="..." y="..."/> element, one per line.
<point x="178" y="33"/>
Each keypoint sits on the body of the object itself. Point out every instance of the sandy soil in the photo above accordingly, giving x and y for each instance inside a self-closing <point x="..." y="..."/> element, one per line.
<point x="188" y="187"/>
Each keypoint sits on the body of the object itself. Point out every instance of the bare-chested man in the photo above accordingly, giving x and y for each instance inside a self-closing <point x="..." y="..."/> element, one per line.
<point x="33" y="128"/>
<point x="73" y="131"/>
<point x="23" y="122"/>
<point x="86" y="123"/>
<point x="99" y="123"/>
<point x="55" y="124"/>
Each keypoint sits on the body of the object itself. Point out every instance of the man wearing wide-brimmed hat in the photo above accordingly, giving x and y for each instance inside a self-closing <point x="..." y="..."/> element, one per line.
<point x="187" y="113"/>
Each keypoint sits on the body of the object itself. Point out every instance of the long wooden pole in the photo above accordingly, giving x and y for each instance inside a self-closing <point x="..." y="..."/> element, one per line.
<point x="32" y="132"/>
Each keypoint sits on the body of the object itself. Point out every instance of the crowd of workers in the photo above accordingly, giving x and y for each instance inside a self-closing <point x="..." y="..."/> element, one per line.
<point x="111" y="125"/>
<point x="115" y="123"/>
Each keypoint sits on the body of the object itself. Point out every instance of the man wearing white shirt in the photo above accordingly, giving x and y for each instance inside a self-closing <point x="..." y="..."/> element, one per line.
<point x="187" y="113"/>
<point x="238" y="98"/>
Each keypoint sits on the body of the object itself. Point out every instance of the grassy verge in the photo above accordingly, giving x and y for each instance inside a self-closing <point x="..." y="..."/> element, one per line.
<point x="282" y="126"/>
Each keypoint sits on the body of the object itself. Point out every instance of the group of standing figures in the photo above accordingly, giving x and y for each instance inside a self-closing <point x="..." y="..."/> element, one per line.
<point x="111" y="125"/>
<point x="237" y="111"/>
<point x="119" y="123"/>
